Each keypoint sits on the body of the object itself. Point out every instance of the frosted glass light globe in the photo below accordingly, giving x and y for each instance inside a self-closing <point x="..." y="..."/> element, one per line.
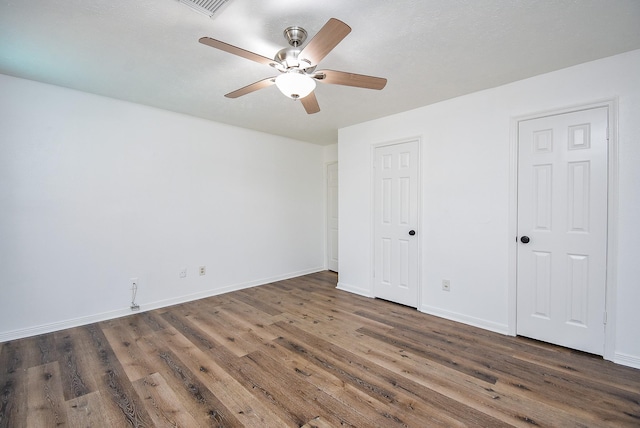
<point x="295" y="84"/>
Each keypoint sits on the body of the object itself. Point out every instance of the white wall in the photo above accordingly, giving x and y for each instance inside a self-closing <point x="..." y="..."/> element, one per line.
<point x="331" y="153"/>
<point x="465" y="193"/>
<point x="94" y="191"/>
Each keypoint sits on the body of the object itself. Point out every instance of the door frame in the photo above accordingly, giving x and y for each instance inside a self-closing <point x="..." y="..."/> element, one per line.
<point x="612" y="216"/>
<point x="327" y="239"/>
<point x="372" y="199"/>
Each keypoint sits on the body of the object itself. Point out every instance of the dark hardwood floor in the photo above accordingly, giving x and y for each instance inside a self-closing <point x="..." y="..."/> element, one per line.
<point x="302" y="353"/>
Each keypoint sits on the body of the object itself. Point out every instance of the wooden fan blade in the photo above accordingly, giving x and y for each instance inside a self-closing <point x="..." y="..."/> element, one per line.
<point x="350" y="79"/>
<point x="237" y="51"/>
<point x="327" y="38"/>
<point x="260" y="84"/>
<point x="310" y="103"/>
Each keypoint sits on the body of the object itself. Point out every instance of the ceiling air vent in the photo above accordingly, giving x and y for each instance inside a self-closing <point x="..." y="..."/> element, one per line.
<point x="208" y="7"/>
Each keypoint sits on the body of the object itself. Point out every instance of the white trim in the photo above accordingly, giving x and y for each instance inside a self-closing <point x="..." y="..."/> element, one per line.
<point x="512" y="247"/>
<point x="626" y="360"/>
<point x="465" y="319"/>
<point x="611" y="304"/>
<point x="355" y="290"/>
<point x="326" y="214"/>
<point x="76" y="322"/>
<point x="612" y="217"/>
<point x="372" y="173"/>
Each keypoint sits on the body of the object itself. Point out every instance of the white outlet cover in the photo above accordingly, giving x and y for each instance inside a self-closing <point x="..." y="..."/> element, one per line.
<point x="183" y="273"/>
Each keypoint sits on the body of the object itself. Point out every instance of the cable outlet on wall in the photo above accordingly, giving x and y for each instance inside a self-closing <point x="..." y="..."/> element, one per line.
<point x="183" y="273"/>
<point x="446" y="285"/>
<point x="133" y="282"/>
<point x="202" y="270"/>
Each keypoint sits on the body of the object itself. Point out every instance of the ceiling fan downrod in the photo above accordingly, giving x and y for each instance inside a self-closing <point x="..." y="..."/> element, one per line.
<point x="295" y="35"/>
<point x="288" y="57"/>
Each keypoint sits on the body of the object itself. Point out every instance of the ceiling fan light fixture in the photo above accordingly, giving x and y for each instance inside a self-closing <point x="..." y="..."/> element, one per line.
<point x="297" y="64"/>
<point x="295" y="84"/>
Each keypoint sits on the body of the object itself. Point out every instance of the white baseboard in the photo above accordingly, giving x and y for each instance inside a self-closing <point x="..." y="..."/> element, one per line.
<point x="627" y="360"/>
<point x="466" y="319"/>
<point x="355" y="290"/>
<point x="77" y="322"/>
<point x="61" y="325"/>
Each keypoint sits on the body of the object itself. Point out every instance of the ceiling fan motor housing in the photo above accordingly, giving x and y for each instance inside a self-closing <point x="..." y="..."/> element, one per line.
<point x="288" y="57"/>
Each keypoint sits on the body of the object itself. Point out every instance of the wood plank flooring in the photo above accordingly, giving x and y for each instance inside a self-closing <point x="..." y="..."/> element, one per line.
<point x="300" y="353"/>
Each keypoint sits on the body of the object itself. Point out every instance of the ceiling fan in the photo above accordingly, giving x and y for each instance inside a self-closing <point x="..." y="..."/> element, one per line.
<point x="297" y="66"/>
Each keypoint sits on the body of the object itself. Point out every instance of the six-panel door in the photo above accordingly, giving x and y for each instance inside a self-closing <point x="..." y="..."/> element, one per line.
<point x="562" y="229"/>
<point x="395" y="223"/>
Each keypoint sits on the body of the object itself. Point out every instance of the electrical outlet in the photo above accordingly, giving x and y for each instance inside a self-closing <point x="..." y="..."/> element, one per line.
<point x="183" y="273"/>
<point x="446" y="285"/>
<point x="203" y="270"/>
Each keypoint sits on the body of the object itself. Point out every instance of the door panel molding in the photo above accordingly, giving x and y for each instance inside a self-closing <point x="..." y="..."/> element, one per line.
<point x="612" y="213"/>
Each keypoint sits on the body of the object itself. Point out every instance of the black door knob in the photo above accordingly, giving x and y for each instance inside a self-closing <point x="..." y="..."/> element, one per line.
<point x="524" y="239"/>
<point x="412" y="232"/>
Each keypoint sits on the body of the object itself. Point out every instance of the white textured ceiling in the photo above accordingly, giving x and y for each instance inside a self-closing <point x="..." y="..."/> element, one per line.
<point x="147" y="52"/>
